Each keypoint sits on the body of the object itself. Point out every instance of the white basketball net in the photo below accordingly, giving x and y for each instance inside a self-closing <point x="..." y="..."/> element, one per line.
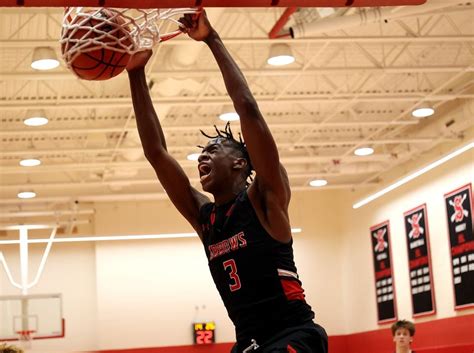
<point x="120" y="30"/>
<point x="25" y="338"/>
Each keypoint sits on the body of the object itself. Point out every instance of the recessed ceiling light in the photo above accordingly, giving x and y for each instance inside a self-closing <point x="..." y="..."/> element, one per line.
<point x="318" y="182"/>
<point x="26" y="195"/>
<point x="33" y="162"/>
<point x="280" y="54"/>
<point x="44" y="58"/>
<point x="364" y="151"/>
<point x="193" y="156"/>
<point x="45" y="64"/>
<point x="423" y="112"/>
<point x="230" y="116"/>
<point x="36" y="121"/>
<point x="281" y="60"/>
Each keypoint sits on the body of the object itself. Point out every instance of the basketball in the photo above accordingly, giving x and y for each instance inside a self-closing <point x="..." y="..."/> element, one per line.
<point x="90" y="31"/>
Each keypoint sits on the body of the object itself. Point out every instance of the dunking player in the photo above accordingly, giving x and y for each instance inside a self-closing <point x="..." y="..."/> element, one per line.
<point x="246" y="231"/>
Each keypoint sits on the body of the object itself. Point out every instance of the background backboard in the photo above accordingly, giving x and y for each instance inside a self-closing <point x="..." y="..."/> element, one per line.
<point x="39" y="313"/>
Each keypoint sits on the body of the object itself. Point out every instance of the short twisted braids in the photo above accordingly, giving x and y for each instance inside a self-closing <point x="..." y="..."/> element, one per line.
<point x="238" y="145"/>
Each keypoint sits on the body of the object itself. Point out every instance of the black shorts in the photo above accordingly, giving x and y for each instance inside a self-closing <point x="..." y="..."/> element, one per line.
<point x="308" y="338"/>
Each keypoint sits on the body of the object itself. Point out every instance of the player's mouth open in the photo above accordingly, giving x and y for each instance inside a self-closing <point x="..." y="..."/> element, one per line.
<point x="204" y="171"/>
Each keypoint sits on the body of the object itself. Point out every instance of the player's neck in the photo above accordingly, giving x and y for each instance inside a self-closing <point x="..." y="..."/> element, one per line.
<point x="403" y="350"/>
<point x="229" y="194"/>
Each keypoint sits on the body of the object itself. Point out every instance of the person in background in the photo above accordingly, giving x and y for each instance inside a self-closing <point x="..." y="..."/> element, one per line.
<point x="403" y="332"/>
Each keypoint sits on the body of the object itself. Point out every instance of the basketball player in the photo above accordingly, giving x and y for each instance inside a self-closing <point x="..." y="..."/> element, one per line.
<point x="403" y="332"/>
<point x="246" y="230"/>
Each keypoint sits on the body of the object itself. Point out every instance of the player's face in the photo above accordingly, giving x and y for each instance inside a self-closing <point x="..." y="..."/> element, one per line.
<point x="402" y="338"/>
<point x="215" y="165"/>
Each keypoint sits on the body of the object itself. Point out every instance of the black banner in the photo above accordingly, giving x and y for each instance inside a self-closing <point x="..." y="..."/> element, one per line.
<point x="459" y="211"/>
<point x="419" y="261"/>
<point x="384" y="284"/>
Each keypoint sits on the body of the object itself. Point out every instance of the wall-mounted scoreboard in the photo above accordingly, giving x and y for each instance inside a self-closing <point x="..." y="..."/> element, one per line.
<point x="204" y="332"/>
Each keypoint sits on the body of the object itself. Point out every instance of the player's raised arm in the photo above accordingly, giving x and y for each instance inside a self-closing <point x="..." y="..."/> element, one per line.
<point x="260" y="143"/>
<point x="186" y="199"/>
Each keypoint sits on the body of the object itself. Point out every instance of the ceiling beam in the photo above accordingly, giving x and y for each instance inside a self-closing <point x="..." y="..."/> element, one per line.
<point x="114" y="197"/>
<point x="153" y="181"/>
<point x="270" y="72"/>
<point x="25" y="43"/>
<point x="318" y="143"/>
<point x="126" y="102"/>
<point x="273" y="126"/>
<point x="62" y="167"/>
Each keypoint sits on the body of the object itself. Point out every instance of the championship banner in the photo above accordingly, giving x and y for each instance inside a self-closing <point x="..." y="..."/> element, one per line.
<point x="419" y="261"/>
<point x="459" y="212"/>
<point x="384" y="284"/>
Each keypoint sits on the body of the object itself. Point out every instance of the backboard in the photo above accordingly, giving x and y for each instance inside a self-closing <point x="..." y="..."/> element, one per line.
<point x="40" y="314"/>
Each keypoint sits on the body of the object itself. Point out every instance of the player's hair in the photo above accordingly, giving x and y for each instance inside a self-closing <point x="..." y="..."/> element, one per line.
<point x="239" y="145"/>
<point x="403" y="324"/>
<point x="4" y="348"/>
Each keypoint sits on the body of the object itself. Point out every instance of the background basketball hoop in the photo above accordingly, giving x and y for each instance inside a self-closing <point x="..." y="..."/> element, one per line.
<point x="25" y="338"/>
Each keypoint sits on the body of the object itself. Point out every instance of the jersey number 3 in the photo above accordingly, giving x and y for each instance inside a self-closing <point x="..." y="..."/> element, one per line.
<point x="233" y="275"/>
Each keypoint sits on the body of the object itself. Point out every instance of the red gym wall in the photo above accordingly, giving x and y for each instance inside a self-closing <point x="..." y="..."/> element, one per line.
<point x="453" y="335"/>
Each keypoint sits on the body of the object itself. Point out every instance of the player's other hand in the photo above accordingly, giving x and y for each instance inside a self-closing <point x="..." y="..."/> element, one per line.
<point x="196" y="26"/>
<point x="139" y="60"/>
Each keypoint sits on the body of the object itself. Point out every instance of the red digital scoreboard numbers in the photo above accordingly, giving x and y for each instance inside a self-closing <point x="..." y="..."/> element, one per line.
<point x="204" y="332"/>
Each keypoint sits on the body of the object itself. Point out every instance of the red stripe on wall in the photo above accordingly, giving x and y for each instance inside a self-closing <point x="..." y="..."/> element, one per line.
<point x="210" y="348"/>
<point x="452" y="335"/>
<point x="432" y="336"/>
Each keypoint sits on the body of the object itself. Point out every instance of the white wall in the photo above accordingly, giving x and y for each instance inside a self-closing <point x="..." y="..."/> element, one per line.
<point x="357" y="278"/>
<point x="149" y="284"/>
<point x="118" y="294"/>
<point x="70" y="270"/>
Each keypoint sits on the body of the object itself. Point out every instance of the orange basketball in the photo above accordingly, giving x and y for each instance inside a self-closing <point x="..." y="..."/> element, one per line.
<point x="98" y="63"/>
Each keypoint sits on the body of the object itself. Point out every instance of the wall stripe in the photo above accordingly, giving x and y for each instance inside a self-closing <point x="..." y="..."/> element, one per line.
<point x="452" y="335"/>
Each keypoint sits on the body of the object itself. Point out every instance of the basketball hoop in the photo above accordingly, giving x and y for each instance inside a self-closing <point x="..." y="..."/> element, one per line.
<point x="119" y="30"/>
<point x="25" y="338"/>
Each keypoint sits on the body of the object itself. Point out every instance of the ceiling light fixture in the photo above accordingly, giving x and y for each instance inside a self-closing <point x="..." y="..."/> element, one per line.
<point x="318" y="182"/>
<point x="32" y="162"/>
<point x="193" y="156"/>
<point x="364" y="151"/>
<point x="229" y="116"/>
<point x="280" y="54"/>
<point x="35" y="118"/>
<point x="44" y="58"/>
<point x="422" y="112"/>
<point x="325" y="11"/>
<point x="26" y="194"/>
<point x="113" y="238"/>
<point x="412" y="176"/>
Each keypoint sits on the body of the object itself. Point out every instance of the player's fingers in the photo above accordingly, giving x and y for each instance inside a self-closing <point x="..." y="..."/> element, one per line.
<point x="185" y="25"/>
<point x="192" y="19"/>
<point x="198" y="14"/>
<point x="188" y="22"/>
